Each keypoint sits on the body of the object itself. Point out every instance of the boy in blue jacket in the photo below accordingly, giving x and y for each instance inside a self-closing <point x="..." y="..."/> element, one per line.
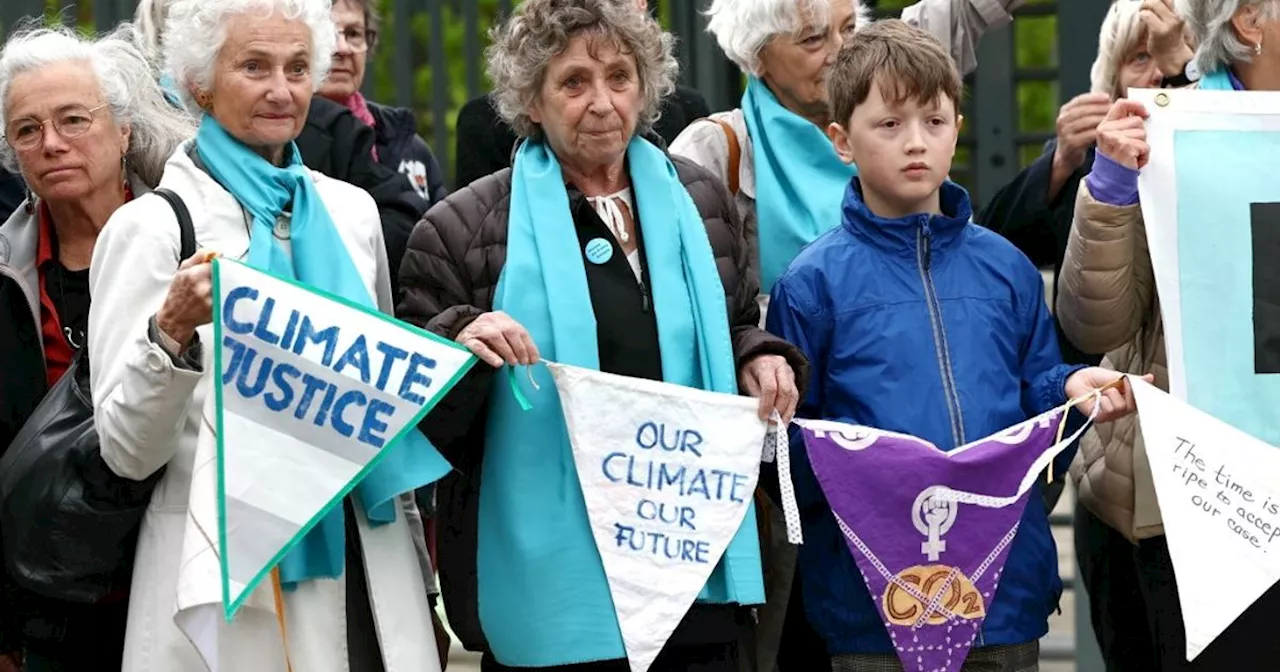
<point x="915" y="320"/>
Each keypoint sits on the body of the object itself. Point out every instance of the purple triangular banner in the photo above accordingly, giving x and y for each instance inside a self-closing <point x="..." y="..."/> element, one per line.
<point x="929" y="530"/>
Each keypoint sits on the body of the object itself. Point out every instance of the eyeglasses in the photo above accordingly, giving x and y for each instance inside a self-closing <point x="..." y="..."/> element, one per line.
<point x="70" y="122"/>
<point x="359" y="39"/>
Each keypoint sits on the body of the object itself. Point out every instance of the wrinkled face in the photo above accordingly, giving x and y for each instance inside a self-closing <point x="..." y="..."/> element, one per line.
<point x="1137" y="71"/>
<point x="589" y="103"/>
<point x="59" y="167"/>
<point x="262" y="82"/>
<point x="903" y="150"/>
<point x="795" y="66"/>
<point x="352" y="55"/>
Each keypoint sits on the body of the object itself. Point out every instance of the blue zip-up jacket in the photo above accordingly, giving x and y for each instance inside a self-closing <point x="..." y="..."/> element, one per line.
<point x="935" y="327"/>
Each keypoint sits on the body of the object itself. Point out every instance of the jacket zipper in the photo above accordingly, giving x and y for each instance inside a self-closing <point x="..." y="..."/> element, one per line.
<point x="924" y="255"/>
<point x="8" y="272"/>
<point x="644" y="295"/>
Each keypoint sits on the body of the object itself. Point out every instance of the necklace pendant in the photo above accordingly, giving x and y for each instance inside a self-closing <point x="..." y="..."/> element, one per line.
<point x="75" y="338"/>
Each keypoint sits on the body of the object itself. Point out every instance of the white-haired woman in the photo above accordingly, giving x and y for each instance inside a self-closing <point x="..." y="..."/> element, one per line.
<point x="87" y="129"/>
<point x="354" y="595"/>
<point x="599" y="250"/>
<point x="1108" y="304"/>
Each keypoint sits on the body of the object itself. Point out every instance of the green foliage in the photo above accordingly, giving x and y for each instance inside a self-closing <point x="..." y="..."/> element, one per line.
<point x="1035" y="45"/>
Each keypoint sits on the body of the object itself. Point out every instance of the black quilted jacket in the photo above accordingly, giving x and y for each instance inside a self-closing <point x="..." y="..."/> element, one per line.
<point x="448" y="278"/>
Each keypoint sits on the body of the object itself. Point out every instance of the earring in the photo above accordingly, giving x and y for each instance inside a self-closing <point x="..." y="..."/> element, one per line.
<point x="1257" y="48"/>
<point x="31" y="201"/>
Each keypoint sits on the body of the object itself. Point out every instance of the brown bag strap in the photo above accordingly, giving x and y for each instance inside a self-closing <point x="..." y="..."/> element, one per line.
<point x="735" y="154"/>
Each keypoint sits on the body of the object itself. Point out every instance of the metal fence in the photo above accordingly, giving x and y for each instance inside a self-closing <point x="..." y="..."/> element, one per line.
<point x="994" y="147"/>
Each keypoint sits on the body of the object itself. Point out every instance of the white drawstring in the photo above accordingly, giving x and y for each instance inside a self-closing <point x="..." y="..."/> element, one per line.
<point x="609" y="211"/>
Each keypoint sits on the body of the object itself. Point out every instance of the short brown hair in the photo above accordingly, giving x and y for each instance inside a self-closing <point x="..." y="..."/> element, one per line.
<point x="906" y="61"/>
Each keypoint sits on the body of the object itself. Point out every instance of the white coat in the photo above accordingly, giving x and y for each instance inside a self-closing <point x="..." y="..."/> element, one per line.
<point x="151" y="413"/>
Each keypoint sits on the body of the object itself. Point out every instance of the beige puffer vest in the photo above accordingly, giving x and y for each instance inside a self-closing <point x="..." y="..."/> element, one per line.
<point x="1107" y="302"/>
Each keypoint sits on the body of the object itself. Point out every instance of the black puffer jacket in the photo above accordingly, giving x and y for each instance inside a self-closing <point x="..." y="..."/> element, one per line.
<point x="336" y="143"/>
<point x="401" y="149"/>
<point x="449" y="277"/>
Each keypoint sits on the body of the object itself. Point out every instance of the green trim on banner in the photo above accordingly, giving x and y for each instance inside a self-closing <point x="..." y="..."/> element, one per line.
<point x="216" y="263"/>
<point x="230" y="608"/>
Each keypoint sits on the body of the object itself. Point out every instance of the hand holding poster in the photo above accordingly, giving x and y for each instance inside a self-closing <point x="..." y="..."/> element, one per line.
<point x="932" y="540"/>
<point x="1219" y="492"/>
<point x="312" y="393"/>
<point x="668" y="474"/>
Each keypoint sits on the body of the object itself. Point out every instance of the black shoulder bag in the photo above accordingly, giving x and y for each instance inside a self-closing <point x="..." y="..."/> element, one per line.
<point x="69" y="524"/>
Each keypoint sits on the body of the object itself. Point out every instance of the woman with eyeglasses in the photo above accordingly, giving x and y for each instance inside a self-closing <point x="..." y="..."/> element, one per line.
<point x="398" y="145"/>
<point x="88" y="130"/>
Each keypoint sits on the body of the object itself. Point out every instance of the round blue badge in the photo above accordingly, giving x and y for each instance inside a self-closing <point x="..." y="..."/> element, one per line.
<point x="599" y="250"/>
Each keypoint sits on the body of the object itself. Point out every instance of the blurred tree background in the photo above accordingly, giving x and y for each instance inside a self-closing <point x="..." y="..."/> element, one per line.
<point x="1035" y="40"/>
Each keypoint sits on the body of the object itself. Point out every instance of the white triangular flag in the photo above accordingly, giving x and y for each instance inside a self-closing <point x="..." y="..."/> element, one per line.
<point x="312" y="392"/>
<point x="667" y="473"/>
<point x="1219" y="494"/>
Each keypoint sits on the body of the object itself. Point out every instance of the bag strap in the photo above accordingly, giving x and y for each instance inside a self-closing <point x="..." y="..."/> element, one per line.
<point x="735" y="153"/>
<point x="186" y="230"/>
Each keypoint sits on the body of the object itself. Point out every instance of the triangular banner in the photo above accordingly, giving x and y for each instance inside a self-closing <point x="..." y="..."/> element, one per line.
<point x="930" y="531"/>
<point x="312" y="391"/>
<point x="667" y="473"/>
<point x="1219" y="494"/>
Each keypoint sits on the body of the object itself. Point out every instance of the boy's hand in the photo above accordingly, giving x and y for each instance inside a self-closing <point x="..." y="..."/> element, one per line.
<point x="1116" y="402"/>
<point x="770" y="378"/>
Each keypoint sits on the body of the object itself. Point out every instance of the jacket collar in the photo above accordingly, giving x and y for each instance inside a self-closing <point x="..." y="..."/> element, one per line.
<point x="901" y="235"/>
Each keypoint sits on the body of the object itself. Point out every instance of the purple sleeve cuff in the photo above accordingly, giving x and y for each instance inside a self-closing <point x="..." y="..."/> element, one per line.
<point x="1112" y="183"/>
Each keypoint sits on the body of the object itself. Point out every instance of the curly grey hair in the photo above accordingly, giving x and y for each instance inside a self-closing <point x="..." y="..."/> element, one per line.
<point x="195" y="31"/>
<point x="128" y="86"/>
<point x="539" y="30"/>
<point x="1210" y="23"/>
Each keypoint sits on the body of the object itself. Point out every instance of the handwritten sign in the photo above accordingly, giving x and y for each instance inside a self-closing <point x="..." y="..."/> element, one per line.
<point x="667" y="474"/>
<point x="312" y="393"/>
<point x="1218" y="494"/>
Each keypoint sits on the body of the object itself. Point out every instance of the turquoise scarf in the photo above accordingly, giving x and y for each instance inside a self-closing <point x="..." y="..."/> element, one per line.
<point x="319" y="259"/>
<point x="544" y="599"/>
<point x="800" y="180"/>
<point x="1218" y="80"/>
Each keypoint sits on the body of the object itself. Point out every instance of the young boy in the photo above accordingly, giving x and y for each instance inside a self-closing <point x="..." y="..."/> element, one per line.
<point x="918" y="321"/>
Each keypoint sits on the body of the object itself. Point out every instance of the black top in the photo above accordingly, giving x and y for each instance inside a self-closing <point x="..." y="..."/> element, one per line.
<point x="69" y="291"/>
<point x="336" y="143"/>
<point x="11" y="193"/>
<point x="1024" y="214"/>
<point x="627" y="337"/>
<point x="485" y="142"/>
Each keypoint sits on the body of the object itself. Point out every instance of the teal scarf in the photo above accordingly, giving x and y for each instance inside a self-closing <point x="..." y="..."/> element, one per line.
<point x="544" y="599"/>
<point x="1219" y="80"/>
<point x="319" y="259"/>
<point x="800" y="180"/>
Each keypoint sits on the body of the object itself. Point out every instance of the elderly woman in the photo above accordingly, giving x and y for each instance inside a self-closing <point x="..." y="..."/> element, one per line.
<point x="595" y="249"/>
<point x="398" y="146"/>
<point x="355" y="599"/>
<point x="1108" y="304"/>
<point x="87" y="129"/>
